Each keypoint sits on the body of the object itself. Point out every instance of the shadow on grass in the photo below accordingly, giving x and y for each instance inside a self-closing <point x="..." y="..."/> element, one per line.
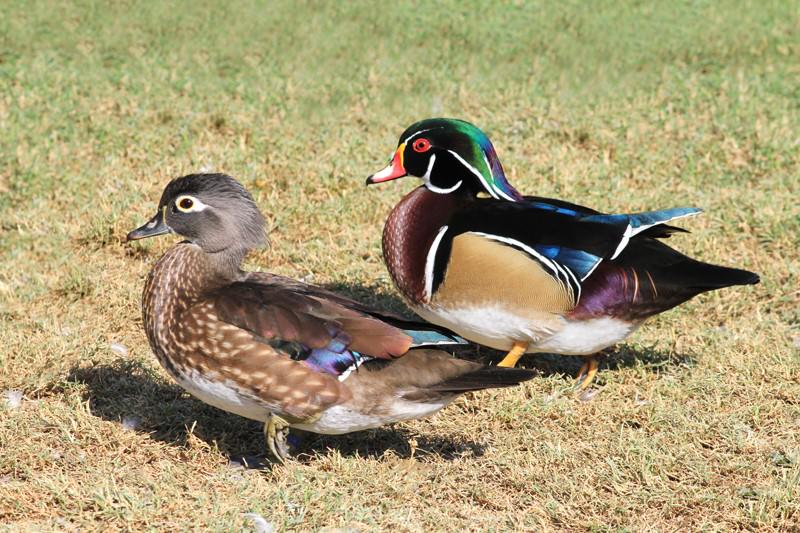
<point x="653" y="360"/>
<point x="128" y="391"/>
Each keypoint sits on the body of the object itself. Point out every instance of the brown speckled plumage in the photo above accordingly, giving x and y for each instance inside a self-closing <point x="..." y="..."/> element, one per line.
<point x="181" y="312"/>
<point x="264" y="346"/>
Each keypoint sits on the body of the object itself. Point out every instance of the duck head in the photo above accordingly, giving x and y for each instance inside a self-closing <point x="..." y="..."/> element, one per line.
<point x="451" y="157"/>
<point x="213" y="211"/>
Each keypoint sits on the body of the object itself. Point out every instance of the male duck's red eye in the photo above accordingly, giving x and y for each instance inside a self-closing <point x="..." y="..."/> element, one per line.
<point x="421" y="145"/>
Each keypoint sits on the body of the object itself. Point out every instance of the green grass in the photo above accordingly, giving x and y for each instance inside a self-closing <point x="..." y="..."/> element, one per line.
<point x="620" y="106"/>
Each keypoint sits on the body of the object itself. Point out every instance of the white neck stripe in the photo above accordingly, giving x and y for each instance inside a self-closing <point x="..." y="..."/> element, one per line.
<point x="474" y="170"/>
<point x="501" y="193"/>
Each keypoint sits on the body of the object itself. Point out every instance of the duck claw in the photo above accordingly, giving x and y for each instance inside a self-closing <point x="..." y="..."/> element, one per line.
<point x="276" y="433"/>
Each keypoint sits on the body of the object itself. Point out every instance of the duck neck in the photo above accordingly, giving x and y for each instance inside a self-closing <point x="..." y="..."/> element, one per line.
<point x="183" y="275"/>
<point x="409" y="233"/>
<point x="224" y="265"/>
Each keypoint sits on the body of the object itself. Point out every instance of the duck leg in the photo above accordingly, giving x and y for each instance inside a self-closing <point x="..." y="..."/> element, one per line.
<point x="276" y="431"/>
<point x="586" y="373"/>
<point x="510" y="360"/>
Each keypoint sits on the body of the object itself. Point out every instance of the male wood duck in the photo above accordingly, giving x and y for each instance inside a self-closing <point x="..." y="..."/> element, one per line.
<point x="521" y="273"/>
<point x="277" y="350"/>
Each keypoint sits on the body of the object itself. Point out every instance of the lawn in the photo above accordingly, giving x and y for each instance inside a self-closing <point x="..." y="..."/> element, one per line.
<point x="622" y="106"/>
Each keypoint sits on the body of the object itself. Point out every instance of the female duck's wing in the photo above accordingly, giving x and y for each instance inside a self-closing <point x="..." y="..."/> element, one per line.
<point x="423" y="334"/>
<point x="272" y="310"/>
<point x="285" y="346"/>
<point x="267" y="356"/>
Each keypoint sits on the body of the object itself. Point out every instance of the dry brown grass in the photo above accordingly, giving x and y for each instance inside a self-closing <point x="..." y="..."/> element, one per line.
<point x="696" y="420"/>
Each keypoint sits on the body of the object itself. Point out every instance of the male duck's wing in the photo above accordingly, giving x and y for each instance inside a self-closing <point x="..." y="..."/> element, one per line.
<point x="559" y="206"/>
<point x="562" y="244"/>
<point x="661" y="230"/>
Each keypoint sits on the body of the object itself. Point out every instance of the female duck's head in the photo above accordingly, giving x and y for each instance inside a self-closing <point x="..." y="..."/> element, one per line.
<point x="213" y="211"/>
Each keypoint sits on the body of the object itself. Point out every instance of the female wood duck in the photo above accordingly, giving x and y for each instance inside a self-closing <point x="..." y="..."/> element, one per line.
<point x="276" y="350"/>
<point x="526" y="274"/>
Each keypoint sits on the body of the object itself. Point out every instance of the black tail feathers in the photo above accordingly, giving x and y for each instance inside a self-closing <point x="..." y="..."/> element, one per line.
<point x="706" y="277"/>
<point x="736" y="276"/>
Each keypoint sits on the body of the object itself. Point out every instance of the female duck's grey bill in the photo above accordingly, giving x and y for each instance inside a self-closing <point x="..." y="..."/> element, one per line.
<point x="155" y="226"/>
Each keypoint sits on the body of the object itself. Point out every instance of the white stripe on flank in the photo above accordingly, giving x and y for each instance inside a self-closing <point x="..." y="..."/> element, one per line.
<point x="566" y="278"/>
<point x="576" y="283"/>
<point x="547" y="262"/>
<point x="429" y="262"/>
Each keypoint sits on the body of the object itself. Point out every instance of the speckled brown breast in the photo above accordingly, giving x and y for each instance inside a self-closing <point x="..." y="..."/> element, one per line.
<point x="172" y="286"/>
<point x="408" y="235"/>
<point x="189" y="339"/>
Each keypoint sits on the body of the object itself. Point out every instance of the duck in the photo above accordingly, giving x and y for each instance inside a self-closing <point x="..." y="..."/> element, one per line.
<point x="527" y="274"/>
<point x="274" y="349"/>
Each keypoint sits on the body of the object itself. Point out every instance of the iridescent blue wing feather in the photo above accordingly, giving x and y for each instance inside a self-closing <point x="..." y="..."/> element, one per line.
<point x="648" y="219"/>
<point x="336" y="359"/>
<point x="338" y="364"/>
<point x="422" y="338"/>
<point x="638" y="222"/>
<point x="581" y="263"/>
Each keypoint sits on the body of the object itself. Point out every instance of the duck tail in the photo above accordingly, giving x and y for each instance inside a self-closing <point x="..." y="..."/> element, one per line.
<point x="706" y="277"/>
<point x="484" y="377"/>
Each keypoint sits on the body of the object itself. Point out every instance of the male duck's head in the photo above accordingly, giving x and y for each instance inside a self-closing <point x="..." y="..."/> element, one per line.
<point x="450" y="156"/>
<point x="213" y="211"/>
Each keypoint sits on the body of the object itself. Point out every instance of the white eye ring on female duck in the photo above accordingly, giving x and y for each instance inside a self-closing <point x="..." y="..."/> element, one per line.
<point x="195" y="205"/>
<point x="433" y="188"/>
